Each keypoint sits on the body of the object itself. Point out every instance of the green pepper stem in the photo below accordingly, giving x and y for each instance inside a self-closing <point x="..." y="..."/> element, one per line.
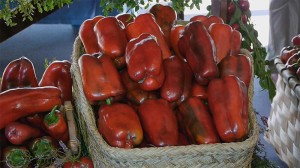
<point x="108" y="101"/>
<point x="18" y="158"/>
<point x="51" y="118"/>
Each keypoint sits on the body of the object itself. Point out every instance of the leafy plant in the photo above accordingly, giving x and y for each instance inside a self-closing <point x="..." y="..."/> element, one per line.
<point x="9" y="9"/>
<point x="179" y="5"/>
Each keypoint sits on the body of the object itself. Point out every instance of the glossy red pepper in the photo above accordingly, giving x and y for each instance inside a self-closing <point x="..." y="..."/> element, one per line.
<point x="58" y="74"/>
<point x="238" y="65"/>
<point x="199" y="91"/>
<point x="287" y="52"/>
<point x="18" y="133"/>
<point x="100" y="78"/>
<point x="159" y="122"/>
<point x="165" y="16"/>
<point x="16" y="156"/>
<point x="228" y="103"/>
<point x="36" y="120"/>
<point x="195" y="119"/>
<point x="88" y="36"/>
<point x="292" y="63"/>
<point x="21" y="102"/>
<point x="175" y="35"/>
<point x="197" y="46"/>
<point x="175" y="80"/>
<point x="18" y="73"/>
<point x="236" y="42"/>
<point x="144" y="62"/>
<point x="125" y="18"/>
<point x="221" y="34"/>
<point x="135" y="93"/>
<point x="120" y="125"/>
<point x="83" y="162"/>
<point x="56" y="126"/>
<point x="207" y="20"/>
<point x="145" y="23"/>
<point x="111" y="37"/>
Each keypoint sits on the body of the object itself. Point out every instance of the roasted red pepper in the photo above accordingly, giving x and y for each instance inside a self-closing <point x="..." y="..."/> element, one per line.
<point x="100" y="78"/>
<point x="16" y="156"/>
<point x="175" y="35"/>
<point x="18" y="73"/>
<point x="228" y="103"/>
<point x="144" y="62"/>
<point x="145" y="23"/>
<point x="44" y="149"/>
<point x="111" y="37"/>
<point x="135" y="93"/>
<point x="21" y="102"/>
<point x="58" y="74"/>
<point x="196" y="121"/>
<point x="238" y="65"/>
<point x="120" y="125"/>
<point x="56" y="126"/>
<point x="88" y="36"/>
<point x="197" y="46"/>
<point x="159" y="122"/>
<point x="165" y="16"/>
<point x="83" y="162"/>
<point x="17" y="133"/>
<point x="176" y="78"/>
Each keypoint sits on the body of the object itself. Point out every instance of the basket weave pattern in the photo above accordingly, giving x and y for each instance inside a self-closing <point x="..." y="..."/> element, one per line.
<point x="284" y="121"/>
<point x="237" y="154"/>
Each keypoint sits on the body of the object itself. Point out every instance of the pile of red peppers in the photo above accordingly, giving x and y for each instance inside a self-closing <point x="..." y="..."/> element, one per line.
<point x="157" y="83"/>
<point x="32" y="122"/>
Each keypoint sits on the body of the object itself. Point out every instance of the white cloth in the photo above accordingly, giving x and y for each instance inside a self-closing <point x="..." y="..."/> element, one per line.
<point x="284" y="25"/>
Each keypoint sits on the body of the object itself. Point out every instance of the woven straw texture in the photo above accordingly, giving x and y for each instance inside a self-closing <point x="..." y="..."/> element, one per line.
<point x="284" y="121"/>
<point x="237" y="154"/>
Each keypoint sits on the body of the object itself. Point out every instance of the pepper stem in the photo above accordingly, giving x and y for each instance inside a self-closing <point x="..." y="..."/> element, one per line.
<point x="51" y="118"/>
<point x="18" y="158"/>
<point x="108" y="101"/>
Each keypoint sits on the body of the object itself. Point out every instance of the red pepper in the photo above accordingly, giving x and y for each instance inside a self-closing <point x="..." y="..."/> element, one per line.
<point x="111" y="37"/>
<point x="83" y="162"/>
<point x="144" y="62"/>
<point x="199" y="91"/>
<point x="176" y="79"/>
<point x="21" y="102"/>
<point x="196" y="121"/>
<point x="58" y="74"/>
<point x="197" y="46"/>
<point x="159" y="122"/>
<point x="221" y="34"/>
<point x="228" y="103"/>
<point x="88" y="36"/>
<point x="146" y="24"/>
<point x="18" y="133"/>
<point x="44" y="149"/>
<point x="134" y="92"/>
<point x="236" y="42"/>
<point x="287" y="52"/>
<point x="18" y="73"/>
<point x="120" y="125"/>
<point x="175" y="35"/>
<point x="16" y="156"/>
<point x="125" y="18"/>
<point x="36" y="120"/>
<point x="207" y="20"/>
<point x="56" y="126"/>
<point x="238" y="65"/>
<point x="292" y="63"/>
<point x="165" y="16"/>
<point x="100" y="78"/>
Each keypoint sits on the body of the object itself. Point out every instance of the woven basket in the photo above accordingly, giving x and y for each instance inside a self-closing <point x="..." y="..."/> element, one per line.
<point x="284" y="121"/>
<point x="237" y="154"/>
